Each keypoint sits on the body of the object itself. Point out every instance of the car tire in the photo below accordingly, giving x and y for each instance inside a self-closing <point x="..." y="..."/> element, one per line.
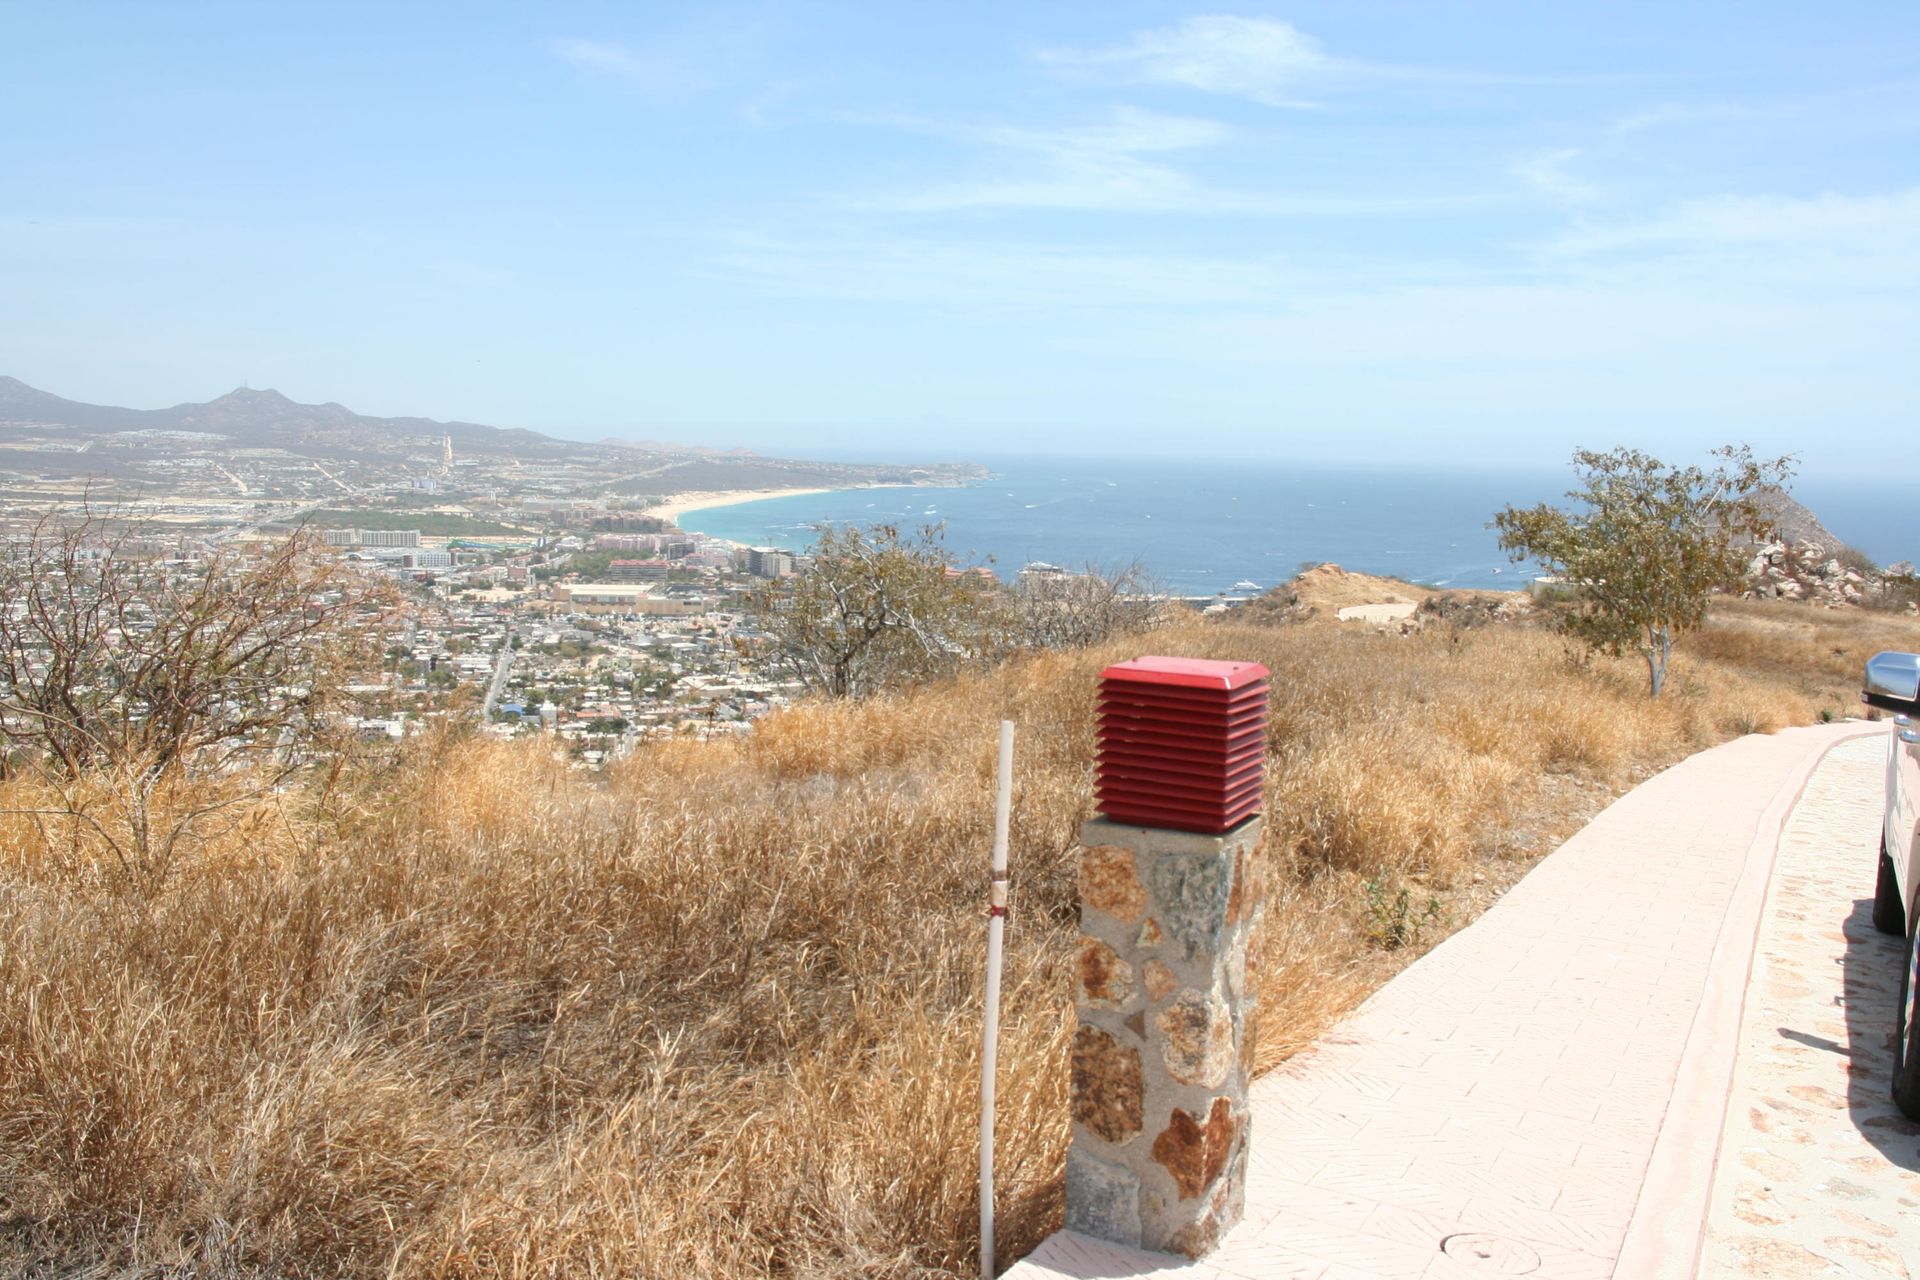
<point x="1889" y="913"/>
<point x="1906" y="1036"/>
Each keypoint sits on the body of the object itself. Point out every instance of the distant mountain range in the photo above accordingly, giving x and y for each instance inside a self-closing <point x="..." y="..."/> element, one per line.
<point x="262" y="418"/>
<point x="44" y="435"/>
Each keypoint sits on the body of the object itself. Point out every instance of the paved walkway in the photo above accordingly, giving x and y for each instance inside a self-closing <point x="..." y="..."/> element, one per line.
<point x="1545" y="1092"/>
<point x="1819" y="1174"/>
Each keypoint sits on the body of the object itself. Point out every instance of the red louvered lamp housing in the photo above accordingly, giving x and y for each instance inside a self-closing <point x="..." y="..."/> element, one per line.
<point x="1183" y="742"/>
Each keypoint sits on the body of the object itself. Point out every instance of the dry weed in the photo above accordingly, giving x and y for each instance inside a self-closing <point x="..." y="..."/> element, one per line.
<point x="718" y="1013"/>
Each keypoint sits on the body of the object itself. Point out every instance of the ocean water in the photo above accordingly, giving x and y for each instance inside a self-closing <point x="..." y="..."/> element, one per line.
<point x="1200" y="528"/>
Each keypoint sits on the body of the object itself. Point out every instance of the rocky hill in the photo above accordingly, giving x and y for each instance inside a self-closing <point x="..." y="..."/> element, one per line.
<point x="1805" y="560"/>
<point x="42" y="432"/>
<point x="259" y="418"/>
<point x="1783" y="570"/>
<point x="1793" y="523"/>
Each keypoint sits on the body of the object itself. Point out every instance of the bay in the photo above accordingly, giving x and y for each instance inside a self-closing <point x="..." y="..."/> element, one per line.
<point x="1200" y="527"/>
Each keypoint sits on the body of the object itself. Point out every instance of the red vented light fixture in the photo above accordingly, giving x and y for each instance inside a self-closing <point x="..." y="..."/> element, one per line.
<point x="1182" y="743"/>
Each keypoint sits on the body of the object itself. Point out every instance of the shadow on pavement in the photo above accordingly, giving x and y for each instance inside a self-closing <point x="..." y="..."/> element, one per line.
<point x="1870" y="977"/>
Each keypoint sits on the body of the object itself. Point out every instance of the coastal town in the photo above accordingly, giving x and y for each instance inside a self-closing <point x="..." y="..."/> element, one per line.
<point x="545" y="586"/>
<point x="618" y="627"/>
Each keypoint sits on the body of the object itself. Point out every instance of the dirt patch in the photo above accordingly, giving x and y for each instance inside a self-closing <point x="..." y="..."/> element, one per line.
<point x="1329" y="588"/>
<point x="1392" y="611"/>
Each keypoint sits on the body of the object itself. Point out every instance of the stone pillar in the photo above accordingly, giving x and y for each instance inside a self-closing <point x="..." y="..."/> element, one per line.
<point x="1160" y="1058"/>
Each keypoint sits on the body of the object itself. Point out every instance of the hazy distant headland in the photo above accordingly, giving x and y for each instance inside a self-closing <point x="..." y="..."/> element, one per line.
<point x="236" y="439"/>
<point x="1202" y="526"/>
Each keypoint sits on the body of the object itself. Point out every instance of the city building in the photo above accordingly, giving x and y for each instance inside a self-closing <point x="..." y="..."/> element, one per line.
<point x="619" y="597"/>
<point x="389" y="537"/>
<point x="769" y="562"/>
<point x="637" y="570"/>
<point x="371" y="537"/>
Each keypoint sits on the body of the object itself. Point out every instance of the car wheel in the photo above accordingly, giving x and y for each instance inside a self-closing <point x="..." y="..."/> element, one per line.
<point x="1889" y="913"/>
<point x="1906" y="1036"/>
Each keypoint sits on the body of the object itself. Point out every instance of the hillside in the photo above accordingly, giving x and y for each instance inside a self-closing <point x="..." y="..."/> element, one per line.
<point x="44" y="433"/>
<point x="1793" y="523"/>
<point x="460" y="1012"/>
<point x="261" y="417"/>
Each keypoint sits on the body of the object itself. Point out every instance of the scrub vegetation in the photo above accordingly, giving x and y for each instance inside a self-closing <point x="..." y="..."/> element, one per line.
<point x="1649" y="546"/>
<point x="464" y="1012"/>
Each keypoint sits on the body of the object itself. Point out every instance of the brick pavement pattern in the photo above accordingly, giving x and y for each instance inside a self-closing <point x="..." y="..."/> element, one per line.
<point x="1819" y="1173"/>
<point x="1543" y="1093"/>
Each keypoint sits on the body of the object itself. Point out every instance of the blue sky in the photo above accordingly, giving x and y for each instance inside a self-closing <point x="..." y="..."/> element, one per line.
<point x="1477" y="232"/>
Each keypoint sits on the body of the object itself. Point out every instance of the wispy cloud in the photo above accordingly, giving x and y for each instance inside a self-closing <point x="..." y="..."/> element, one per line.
<point x="1127" y="131"/>
<point x="1264" y="60"/>
<point x="708" y="50"/>
<point x="1551" y="174"/>
<point x="1828" y="224"/>
<point x="1261" y="59"/>
<point x="1118" y="163"/>
<point x="1671" y="114"/>
<point x="1131" y="161"/>
<point x="612" y="58"/>
<point x="994" y="274"/>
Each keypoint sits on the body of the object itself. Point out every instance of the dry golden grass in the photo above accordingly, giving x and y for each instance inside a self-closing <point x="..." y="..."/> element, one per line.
<point x="475" y="1015"/>
<point x="1817" y="652"/>
<point x="1329" y="588"/>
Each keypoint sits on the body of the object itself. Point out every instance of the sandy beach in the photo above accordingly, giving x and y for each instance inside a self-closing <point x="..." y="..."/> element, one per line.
<point x="682" y="503"/>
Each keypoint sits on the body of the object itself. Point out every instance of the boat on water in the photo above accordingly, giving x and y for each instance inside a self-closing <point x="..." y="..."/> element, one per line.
<point x="1244" y="585"/>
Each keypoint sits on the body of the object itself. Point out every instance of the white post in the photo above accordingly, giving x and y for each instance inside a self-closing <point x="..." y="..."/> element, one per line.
<point x="996" y="927"/>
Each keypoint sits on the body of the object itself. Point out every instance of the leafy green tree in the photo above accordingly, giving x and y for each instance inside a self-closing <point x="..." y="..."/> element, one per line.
<point x="878" y="607"/>
<point x="1649" y="546"/>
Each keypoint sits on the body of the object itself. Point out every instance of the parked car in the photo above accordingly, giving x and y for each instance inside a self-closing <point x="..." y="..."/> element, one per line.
<point x="1893" y="684"/>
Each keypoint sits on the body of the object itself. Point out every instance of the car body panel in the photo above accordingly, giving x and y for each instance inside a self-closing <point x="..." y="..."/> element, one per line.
<point x="1903" y="795"/>
<point x="1893" y="684"/>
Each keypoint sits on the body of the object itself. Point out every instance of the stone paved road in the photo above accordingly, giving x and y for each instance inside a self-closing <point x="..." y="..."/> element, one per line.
<point x="1818" y="1174"/>
<point x="1544" y="1093"/>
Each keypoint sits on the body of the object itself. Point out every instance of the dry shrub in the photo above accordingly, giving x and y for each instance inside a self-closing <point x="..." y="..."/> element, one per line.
<point x="716" y="1013"/>
<point x="1805" y="649"/>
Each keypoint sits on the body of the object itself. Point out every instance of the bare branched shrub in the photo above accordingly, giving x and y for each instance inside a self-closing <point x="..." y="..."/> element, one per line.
<point x="880" y="608"/>
<point x="1062" y="609"/>
<point x="142" y="692"/>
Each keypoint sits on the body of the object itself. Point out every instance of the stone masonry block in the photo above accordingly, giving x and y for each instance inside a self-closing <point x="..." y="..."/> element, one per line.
<point x="1106" y="981"/>
<point x="1108" y="1092"/>
<point x="1196" y="1038"/>
<point x="1159" y="981"/>
<point x="1110" y="883"/>
<point x="1190" y="892"/>
<point x="1103" y="1199"/>
<point x="1199" y="1236"/>
<point x="1160" y="1057"/>
<point x="1195" y="1149"/>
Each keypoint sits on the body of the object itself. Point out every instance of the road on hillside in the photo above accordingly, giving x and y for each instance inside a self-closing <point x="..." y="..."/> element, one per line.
<point x="499" y="675"/>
